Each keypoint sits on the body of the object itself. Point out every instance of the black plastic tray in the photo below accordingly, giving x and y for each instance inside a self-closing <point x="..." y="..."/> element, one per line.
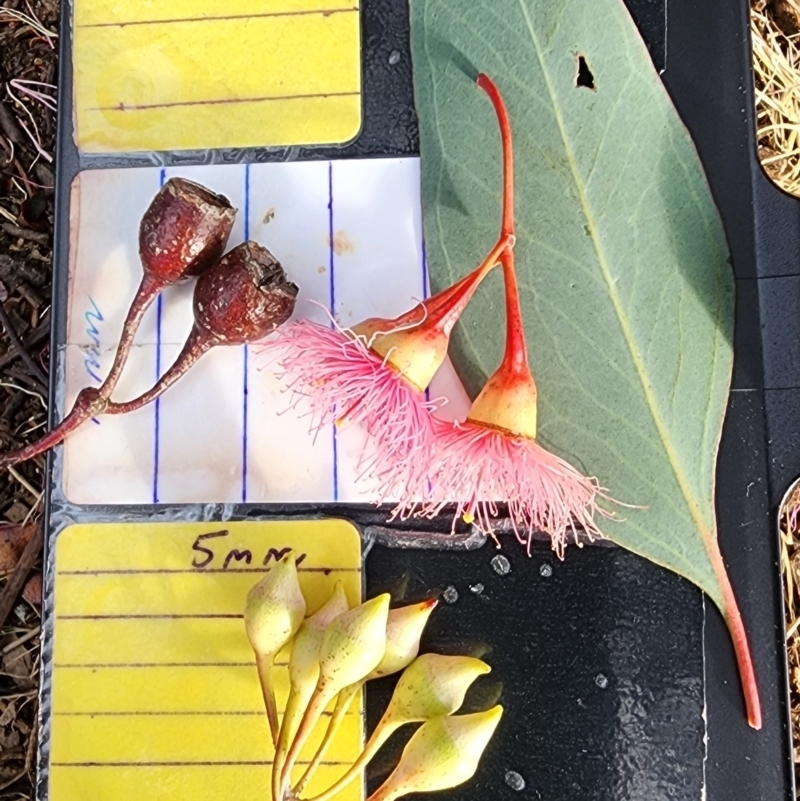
<point x="617" y="676"/>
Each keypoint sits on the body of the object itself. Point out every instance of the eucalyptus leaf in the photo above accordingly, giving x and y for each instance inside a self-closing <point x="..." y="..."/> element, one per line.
<point x="626" y="286"/>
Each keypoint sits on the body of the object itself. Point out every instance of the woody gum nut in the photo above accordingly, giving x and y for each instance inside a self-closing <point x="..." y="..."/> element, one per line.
<point x="184" y="230"/>
<point x="244" y="296"/>
<point x="403" y="632"/>
<point x="441" y="754"/>
<point x="275" y="608"/>
<point x="354" y="644"/>
<point x="433" y="685"/>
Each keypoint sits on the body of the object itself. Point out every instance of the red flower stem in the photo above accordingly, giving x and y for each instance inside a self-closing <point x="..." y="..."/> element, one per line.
<point x="91" y="401"/>
<point x="85" y="408"/>
<point x="448" y="305"/>
<point x="506" y="240"/>
<point x="146" y="293"/>
<point x="488" y="86"/>
<point x="196" y="345"/>
<point x="516" y="354"/>
<point x="741" y="648"/>
<point x="515" y="358"/>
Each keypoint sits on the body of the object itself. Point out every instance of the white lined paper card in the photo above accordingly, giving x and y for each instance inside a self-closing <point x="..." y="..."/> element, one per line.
<point x="348" y="232"/>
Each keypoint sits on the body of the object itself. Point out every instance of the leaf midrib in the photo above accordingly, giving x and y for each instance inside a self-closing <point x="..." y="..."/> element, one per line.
<point x="622" y="318"/>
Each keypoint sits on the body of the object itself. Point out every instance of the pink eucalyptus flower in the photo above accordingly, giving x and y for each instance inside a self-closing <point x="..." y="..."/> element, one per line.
<point x="476" y="466"/>
<point x="375" y="375"/>
<point x="493" y="457"/>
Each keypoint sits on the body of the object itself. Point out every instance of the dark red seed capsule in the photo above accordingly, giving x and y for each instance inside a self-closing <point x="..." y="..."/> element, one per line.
<point x="184" y="230"/>
<point x="243" y="297"/>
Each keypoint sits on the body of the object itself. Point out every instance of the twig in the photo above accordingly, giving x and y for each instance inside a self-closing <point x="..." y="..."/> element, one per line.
<point x="23" y="233"/>
<point x="30" y="392"/>
<point x="15" y="778"/>
<point x="34" y="137"/>
<point x="31" y="21"/>
<point x="20" y="574"/>
<point x="24" y="482"/>
<point x="34" y="632"/>
<point x="32" y="510"/>
<point x="24" y="86"/>
<point x="30" y="751"/>
<point x="13" y="337"/>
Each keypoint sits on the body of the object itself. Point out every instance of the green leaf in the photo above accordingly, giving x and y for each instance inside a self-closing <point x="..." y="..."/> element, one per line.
<point x="623" y="266"/>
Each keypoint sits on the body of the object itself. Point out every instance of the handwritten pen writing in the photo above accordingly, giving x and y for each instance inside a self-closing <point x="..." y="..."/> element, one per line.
<point x="207" y="555"/>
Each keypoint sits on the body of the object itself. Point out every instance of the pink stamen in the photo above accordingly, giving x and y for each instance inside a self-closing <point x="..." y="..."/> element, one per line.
<point x="344" y="382"/>
<point x="475" y="468"/>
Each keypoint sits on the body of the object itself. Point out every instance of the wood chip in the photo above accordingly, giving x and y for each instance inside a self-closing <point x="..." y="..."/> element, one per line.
<point x="20" y="575"/>
<point x="9" y="125"/>
<point x="17" y="664"/>
<point x="32" y="592"/>
<point x="17" y="512"/>
<point x="9" y="713"/>
<point x="13" y="540"/>
<point x="24" y="233"/>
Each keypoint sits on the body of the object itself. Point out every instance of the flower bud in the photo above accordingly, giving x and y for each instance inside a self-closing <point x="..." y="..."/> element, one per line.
<point x="431" y="686"/>
<point x="244" y="296"/>
<point x="304" y="672"/>
<point x="354" y="644"/>
<point x="275" y="608"/>
<point x="184" y="230"/>
<point x="403" y="631"/>
<point x="442" y="753"/>
<point x="304" y="659"/>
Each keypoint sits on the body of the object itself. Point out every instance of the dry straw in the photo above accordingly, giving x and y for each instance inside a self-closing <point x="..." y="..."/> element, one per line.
<point x="776" y="65"/>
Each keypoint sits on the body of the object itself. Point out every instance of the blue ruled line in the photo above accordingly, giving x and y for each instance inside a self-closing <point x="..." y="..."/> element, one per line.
<point x="157" y="410"/>
<point x="246" y="353"/>
<point x="333" y="313"/>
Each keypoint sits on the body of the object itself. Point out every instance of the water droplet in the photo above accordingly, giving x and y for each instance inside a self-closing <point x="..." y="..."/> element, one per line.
<point x="450" y="595"/>
<point x="545" y="570"/>
<point x="476" y="588"/>
<point x="514" y="780"/>
<point x="601" y="681"/>
<point x="394" y="57"/>
<point x="501" y="565"/>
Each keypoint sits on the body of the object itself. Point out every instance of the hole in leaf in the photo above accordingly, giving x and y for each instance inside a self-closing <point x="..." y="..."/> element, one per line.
<point x="584" y="76"/>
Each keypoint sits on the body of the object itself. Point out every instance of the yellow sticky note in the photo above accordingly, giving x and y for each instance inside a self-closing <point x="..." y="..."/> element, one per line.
<point x="194" y="74"/>
<point x="154" y="690"/>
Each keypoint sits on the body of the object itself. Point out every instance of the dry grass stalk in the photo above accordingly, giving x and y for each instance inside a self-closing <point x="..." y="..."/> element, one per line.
<point x="776" y="65"/>
<point x="790" y="567"/>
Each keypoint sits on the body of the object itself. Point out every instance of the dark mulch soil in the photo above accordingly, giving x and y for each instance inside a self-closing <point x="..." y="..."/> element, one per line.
<point x="27" y="142"/>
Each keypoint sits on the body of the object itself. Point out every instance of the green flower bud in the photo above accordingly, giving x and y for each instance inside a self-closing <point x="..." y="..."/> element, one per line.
<point x="442" y="753"/>
<point x="275" y="608"/>
<point x="431" y="686"/>
<point x="304" y="659"/>
<point x="403" y="632"/>
<point x="353" y="645"/>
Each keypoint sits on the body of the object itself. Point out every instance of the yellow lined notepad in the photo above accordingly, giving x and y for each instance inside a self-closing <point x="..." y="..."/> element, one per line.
<point x="189" y="74"/>
<point x="154" y="691"/>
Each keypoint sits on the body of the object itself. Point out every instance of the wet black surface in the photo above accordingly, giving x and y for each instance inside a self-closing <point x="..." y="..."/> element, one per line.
<point x="597" y="660"/>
